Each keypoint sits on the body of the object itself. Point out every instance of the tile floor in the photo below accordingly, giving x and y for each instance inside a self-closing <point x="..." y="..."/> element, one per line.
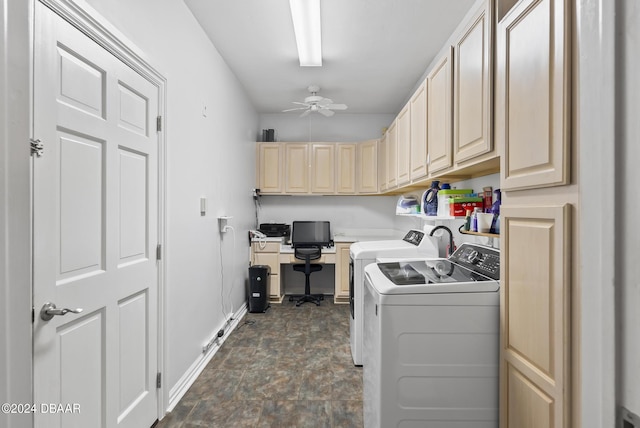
<point x="289" y="367"/>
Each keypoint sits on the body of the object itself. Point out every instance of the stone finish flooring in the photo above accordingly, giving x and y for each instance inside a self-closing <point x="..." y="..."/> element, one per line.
<point x="288" y="367"/>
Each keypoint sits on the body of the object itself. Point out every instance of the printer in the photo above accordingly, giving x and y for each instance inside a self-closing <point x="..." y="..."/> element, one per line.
<point x="275" y="229"/>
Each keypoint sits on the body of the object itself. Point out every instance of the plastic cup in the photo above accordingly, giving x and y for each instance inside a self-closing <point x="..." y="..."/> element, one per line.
<point x="484" y="222"/>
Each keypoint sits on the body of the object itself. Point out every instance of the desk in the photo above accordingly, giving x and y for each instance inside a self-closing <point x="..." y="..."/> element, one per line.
<point x="273" y="253"/>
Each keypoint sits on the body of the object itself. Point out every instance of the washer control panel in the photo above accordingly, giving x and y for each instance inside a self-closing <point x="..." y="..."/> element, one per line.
<point x="479" y="258"/>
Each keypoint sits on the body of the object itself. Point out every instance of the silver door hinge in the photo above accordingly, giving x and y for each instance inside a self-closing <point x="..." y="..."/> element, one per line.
<point x="159" y="380"/>
<point x="159" y="252"/>
<point x="37" y="147"/>
<point x="159" y="123"/>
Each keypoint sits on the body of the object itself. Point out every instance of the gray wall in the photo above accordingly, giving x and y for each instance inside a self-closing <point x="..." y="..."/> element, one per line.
<point x="341" y="127"/>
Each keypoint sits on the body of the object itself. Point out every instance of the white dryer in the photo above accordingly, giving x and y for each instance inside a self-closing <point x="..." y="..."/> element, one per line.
<point x="416" y="243"/>
<point x="431" y="341"/>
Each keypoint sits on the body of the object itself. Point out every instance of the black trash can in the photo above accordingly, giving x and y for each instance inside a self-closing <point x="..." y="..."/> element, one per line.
<point x="259" y="277"/>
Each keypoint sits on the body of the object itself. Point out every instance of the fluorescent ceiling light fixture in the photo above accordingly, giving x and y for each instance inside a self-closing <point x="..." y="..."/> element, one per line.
<point x="306" y="24"/>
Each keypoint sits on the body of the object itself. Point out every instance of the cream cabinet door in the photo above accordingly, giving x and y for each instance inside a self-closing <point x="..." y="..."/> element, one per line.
<point x="367" y="167"/>
<point x="382" y="163"/>
<point x="270" y="168"/>
<point x="439" y="115"/>
<point x="342" y="273"/>
<point x="533" y="116"/>
<point x="323" y="171"/>
<point x="296" y="168"/>
<point x="472" y="87"/>
<point x="346" y="166"/>
<point x="269" y="255"/>
<point x="418" y="152"/>
<point x="403" y="145"/>
<point x="535" y="287"/>
<point x="392" y="157"/>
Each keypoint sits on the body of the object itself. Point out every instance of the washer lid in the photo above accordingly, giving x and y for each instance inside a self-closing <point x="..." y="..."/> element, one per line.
<point x="427" y="276"/>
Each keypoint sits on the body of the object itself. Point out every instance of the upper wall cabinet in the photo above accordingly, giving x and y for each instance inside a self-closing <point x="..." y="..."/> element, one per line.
<point x="472" y="87"/>
<point x="403" y="145"/>
<point x="418" y="152"/>
<point x="382" y="162"/>
<point x="346" y="168"/>
<point x="317" y="168"/>
<point x="392" y="156"/>
<point x="296" y="167"/>
<point x="439" y="114"/>
<point x="367" y="167"/>
<point x="532" y="94"/>
<point x="323" y="171"/>
<point x="269" y="175"/>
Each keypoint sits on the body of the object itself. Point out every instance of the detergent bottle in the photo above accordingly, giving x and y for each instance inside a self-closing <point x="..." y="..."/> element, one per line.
<point x="431" y="199"/>
<point x="495" y="210"/>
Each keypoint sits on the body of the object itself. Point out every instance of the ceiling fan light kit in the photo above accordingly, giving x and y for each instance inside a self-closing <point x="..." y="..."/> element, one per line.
<point x="316" y="103"/>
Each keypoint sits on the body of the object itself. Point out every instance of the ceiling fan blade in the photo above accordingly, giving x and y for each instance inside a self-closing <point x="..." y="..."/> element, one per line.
<point x="325" y="102"/>
<point x="325" y="112"/>
<point x="292" y="109"/>
<point x="302" y="104"/>
<point x="337" y="106"/>
<point x="306" y="113"/>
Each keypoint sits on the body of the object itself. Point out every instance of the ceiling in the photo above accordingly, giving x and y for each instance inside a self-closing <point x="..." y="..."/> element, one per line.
<point x="374" y="51"/>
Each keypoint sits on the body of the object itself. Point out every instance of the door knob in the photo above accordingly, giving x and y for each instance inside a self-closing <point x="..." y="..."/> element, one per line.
<point x="49" y="310"/>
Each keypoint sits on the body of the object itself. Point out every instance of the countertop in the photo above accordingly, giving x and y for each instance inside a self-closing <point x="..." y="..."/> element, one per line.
<point x="345" y="236"/>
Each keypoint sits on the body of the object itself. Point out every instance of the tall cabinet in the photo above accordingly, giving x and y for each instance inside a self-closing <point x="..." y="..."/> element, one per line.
<point x="539" y="288"/>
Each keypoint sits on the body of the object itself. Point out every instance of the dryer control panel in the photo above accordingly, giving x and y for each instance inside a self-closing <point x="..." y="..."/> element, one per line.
<point x="414" y="237"/>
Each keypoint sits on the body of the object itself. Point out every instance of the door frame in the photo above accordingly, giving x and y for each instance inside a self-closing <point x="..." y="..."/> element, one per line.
<point x="595" y="124"/>
<point x="86" y="19"/>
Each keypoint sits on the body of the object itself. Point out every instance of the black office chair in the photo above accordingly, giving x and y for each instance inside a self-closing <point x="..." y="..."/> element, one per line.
<point x="307" y="254"/>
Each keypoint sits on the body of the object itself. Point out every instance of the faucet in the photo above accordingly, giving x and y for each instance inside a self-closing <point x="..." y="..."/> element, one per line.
<point x="451" y="243"/>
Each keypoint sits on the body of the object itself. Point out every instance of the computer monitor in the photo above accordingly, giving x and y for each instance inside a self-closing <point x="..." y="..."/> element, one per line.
<point x="311" y="233"/>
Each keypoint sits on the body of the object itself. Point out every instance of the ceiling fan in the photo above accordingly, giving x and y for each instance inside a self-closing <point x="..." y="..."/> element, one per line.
<point x="315" y="102"/>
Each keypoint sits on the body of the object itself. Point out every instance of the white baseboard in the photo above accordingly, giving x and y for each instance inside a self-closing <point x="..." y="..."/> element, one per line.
<point x="190" y="376"/>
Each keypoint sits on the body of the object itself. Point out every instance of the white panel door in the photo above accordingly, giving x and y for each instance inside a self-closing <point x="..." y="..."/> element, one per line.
<point x="95" y="222"/>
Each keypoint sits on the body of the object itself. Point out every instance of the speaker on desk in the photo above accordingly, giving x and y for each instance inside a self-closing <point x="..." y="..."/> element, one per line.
<point x="259" y="277"/>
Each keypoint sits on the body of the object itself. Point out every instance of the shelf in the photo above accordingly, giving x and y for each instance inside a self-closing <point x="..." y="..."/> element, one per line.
<point x="431" y="217"/>
<point x="488" y="235"/>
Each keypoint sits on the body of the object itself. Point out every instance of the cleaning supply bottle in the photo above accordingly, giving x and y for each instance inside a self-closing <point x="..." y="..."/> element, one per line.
<point x="474" y="219"/>
<point x="443" y="200"/>
<point x="431" y="199"/>
<point x="467" y="220"/>
<point x="495" y="210"/>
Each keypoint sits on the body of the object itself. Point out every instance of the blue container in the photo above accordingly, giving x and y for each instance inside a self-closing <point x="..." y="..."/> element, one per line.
<point x="431" y="199"/>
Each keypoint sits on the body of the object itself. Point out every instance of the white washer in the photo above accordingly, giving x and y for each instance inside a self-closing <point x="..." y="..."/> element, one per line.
<point x="416" y="243"/>
<point x="431" y="341"/>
